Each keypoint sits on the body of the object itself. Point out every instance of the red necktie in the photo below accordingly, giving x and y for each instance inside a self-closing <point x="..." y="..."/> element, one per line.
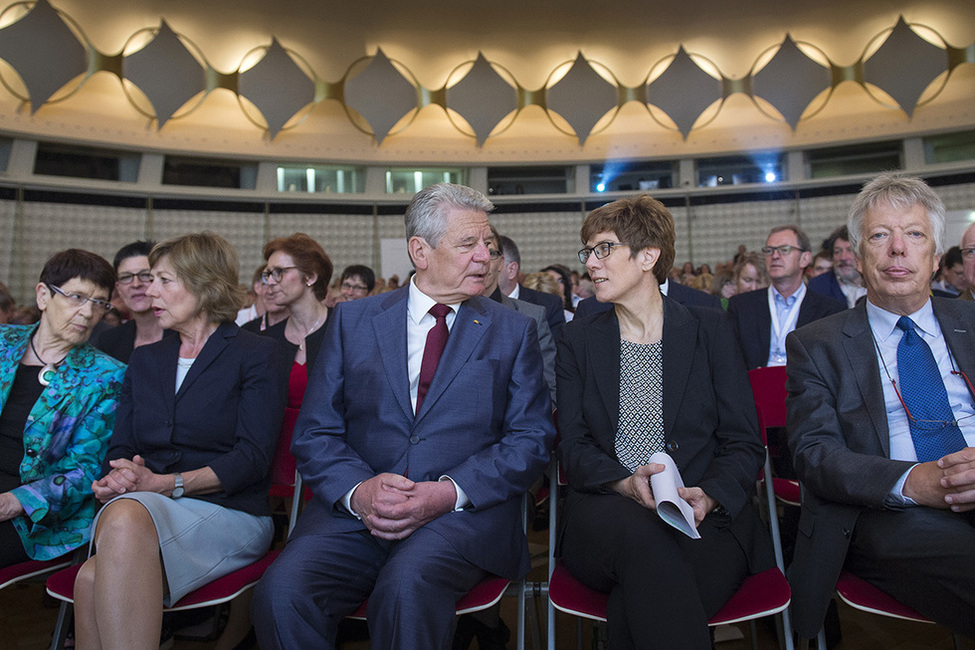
<point x="436" y="342"/>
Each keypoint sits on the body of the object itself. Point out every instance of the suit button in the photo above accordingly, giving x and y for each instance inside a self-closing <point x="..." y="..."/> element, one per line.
<point x="846" y="533"/>
<point x="414" y="439"/>
<point x="672" y="446"/>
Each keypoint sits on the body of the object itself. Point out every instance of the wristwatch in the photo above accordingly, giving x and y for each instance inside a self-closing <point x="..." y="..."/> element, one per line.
<point x="178" y="490"/>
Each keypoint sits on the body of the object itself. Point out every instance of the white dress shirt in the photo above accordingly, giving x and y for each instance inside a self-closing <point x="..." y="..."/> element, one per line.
<point x="887" y="337"/>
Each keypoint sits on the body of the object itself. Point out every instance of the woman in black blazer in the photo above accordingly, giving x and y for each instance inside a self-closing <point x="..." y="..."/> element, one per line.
<point x="186" y="475"/>
<point x="653" y="375"/>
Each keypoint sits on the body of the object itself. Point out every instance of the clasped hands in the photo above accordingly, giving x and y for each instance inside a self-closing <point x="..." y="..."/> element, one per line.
<point x="948" y="482"/>
<point x="392" y="506"/>
<point x="637" y="487"/>
<point x="127" y="476"/>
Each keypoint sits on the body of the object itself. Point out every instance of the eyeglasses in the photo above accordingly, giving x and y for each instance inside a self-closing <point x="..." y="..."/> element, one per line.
<point x="276" y="274"/>
<point x="348" y="286"/>
<point x="78" y="301"/>
<point x="495" y="255"/>
<point x="931" y="425"/>
<point x="968" y="253"/>
<point x="126" y="278"/>
<point x="783" y="250"/>
<point x="601" y="250"/>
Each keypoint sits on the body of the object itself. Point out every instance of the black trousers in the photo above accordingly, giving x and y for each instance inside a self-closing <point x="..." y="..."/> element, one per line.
<point x="662" y="585"/>
<point x="923" y="557"/>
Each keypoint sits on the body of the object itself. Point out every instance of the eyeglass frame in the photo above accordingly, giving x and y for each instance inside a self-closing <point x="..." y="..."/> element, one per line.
<point x="910" y="417"/>
<point x="78" y="300"/>
<point x="608" y="246"/>
<point x="783" y="250"/>
<point x="275" y="273"/>
<point x="354" y="287"/>
<point x="127" y="278"/>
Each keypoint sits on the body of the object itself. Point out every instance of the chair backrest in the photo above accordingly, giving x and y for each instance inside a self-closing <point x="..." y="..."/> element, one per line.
<point x="768" y="387"/>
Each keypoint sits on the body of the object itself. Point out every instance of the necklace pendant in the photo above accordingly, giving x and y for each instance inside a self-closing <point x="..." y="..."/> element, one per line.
<point x="46" y="374"/>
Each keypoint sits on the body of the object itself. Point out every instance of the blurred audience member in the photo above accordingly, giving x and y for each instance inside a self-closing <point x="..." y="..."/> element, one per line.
<point x="750" y="273"/>
<point x="358" y="281"/>
<point x="822" y="263"/>
<point x="132" y="282"/>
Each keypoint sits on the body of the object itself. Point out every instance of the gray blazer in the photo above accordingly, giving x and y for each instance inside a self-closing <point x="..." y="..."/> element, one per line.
<point x="545" y="340"/>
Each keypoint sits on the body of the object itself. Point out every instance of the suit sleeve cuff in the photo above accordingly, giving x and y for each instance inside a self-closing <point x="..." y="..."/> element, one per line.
<point x="896" y="496"/>
<point x="347" y="501"/>
<point x="462" y="500"/>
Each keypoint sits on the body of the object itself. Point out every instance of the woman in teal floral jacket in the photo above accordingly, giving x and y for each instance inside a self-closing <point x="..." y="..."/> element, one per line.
<point x="58" y="397"/>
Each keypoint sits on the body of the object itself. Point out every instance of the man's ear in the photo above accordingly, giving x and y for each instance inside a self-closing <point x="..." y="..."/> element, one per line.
<point x="419" y="251"/>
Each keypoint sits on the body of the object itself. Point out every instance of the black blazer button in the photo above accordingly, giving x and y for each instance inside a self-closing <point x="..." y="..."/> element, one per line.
<point x="672" y="446"/>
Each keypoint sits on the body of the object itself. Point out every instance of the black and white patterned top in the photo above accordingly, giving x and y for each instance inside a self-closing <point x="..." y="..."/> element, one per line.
<point x="641" y="428"/>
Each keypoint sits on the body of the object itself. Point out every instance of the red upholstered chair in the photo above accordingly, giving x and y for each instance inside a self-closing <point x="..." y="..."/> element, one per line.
<point x="862" y="595"/>
<point x="222" y="590"/>
<point x="32" y="569"/>
<point x="768" y="388"/>
<point x="760" y="595"/>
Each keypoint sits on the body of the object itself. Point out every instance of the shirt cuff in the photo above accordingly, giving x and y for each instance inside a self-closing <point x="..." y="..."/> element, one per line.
<point x="462" y="500"/>
<point x="896" y="495"/>
<point x="347" y="501"/>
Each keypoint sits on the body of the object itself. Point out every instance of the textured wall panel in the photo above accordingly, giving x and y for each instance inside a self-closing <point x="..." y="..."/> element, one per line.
<point x="52" y="227"/>
<point x="822" y="215"/>
<point x="347" y="239"/>
<point x="543" y="238"/>
<point x="7" y="270"/>
<point x="244" y="230"/>
<point x="717" y="230"/>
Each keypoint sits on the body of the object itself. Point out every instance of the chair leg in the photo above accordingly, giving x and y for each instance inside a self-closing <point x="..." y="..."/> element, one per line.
<point x="521" y="614"/>
<point x="63" y="625"/>
<point x="533" y="623"/>
<point x="821" y="640"/>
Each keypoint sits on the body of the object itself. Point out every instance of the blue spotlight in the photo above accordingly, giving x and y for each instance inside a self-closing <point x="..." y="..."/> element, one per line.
<point x="769" y="177"/>
<point x="601" y="187"/>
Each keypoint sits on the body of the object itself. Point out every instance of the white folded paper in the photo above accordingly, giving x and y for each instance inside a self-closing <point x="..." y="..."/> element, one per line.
<point x="671" y="507"/>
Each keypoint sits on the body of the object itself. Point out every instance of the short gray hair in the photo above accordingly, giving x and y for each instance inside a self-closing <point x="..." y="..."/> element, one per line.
<point x="426" y="215"/>
<point x="899" y="192"/>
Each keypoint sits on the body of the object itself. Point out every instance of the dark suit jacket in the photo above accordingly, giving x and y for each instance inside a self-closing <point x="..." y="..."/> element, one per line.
<point x="709" y="415"/>
<point x="677" y="292"/>
<point x="554" y="308"/>
<point x="753" y="322"/>
<point x="486" y="422"/>
<point x="313" y="344"/>
<point x="826" y="284"/>
<point x="837" y="429"/>
<point x="226" y="415"/>
<point x="120" y="341"/>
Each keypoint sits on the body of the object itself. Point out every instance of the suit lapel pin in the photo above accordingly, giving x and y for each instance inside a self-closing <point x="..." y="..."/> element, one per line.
<point x="477" y="322"/>
<point x="961" y="331"/>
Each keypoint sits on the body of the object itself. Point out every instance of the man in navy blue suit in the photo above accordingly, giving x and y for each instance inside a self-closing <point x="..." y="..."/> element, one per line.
<point x="417" y="482"/>
<point x="764" y="317"/>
